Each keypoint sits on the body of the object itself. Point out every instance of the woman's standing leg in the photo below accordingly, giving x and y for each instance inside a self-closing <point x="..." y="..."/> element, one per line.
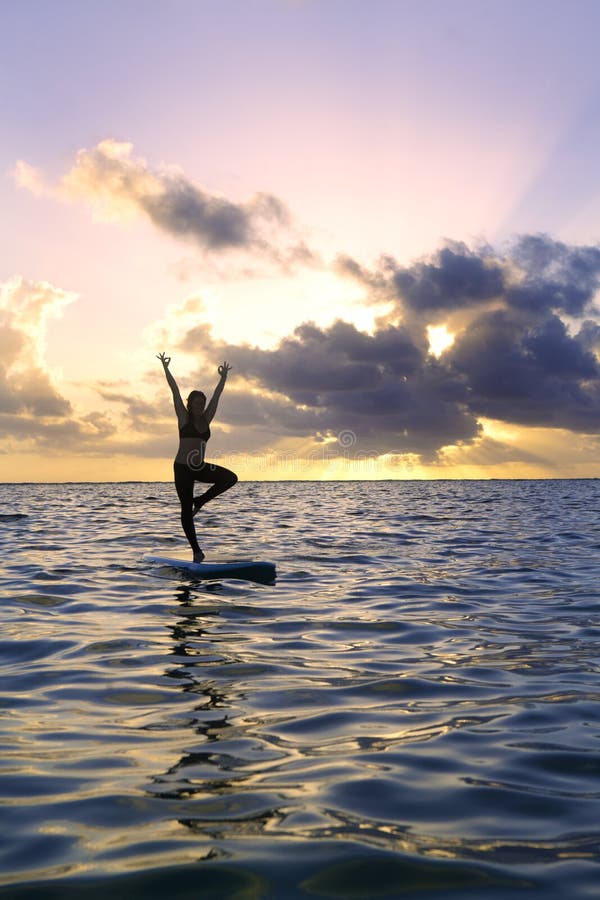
<point x="184" y="484"/>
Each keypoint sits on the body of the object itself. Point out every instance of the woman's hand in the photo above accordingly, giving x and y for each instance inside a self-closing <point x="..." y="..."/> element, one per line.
<point x="165" y="360"/>
<point x="223" y="370"/>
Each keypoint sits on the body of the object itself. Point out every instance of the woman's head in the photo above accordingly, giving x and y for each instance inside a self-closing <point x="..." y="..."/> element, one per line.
<point x="196" y="403"/>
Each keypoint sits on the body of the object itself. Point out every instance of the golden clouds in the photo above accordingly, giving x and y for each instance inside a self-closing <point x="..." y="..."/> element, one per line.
<point x="107" y="177"/>
<point x="111" y="180"/>
<point x="26" y="385"/>
<point x="35" y="414"/>
<point x="118" y="185"/>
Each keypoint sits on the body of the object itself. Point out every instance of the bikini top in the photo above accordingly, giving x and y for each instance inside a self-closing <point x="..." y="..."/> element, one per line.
<point x="190" y="430"/>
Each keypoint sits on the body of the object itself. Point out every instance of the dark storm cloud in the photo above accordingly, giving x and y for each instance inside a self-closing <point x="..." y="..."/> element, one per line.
<point x="530" y="374"/>
<point x="555" y="276"/>
<point x="262" y="226"/>
<point x="519" y="360"/>
<point x="514" y="359"/>
<point x="271" y="415"/>
<point x="116" y="182"/>
<point x="326" y="381"/>
<point x="589" y="336"/>
<point x="456" y="278"/>
<point x="338" y="359"/>
<point x="537" y="275"/>
<point x="184" y="210"/>
<point x="113" y="179"/>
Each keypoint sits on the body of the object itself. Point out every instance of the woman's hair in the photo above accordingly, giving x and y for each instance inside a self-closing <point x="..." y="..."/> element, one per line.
<point x="192" y="397"/>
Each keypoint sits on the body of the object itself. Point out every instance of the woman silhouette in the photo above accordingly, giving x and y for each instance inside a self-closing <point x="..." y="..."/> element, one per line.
<point x="190" y="466"/>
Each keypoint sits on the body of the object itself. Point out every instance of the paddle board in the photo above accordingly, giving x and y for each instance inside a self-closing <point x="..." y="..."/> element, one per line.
<point x="247" y="570"/>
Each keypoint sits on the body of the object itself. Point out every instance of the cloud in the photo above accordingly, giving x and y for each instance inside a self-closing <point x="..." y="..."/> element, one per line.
<point x="513" y="358"/>
<point x="555" y="277"/>
<point x="118" y="184"/>
<point x="321" y="382"/>
<point x="138" y="413"/>
<point x="489" y="451"/>
<point x="536" y="275"/>
<point x="456" y="278"/>
<point x="531" y="373"/>
<point x="61" y="434"/>
<point x="524" y="320"/>
<point x="26" y="386"/>
<point x="33" y="408"/>
<point x="589" y="336"/>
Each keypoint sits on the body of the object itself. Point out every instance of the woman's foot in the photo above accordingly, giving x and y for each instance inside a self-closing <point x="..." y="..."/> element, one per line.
<point x="198" y="504"/>
<point x="198" y="555"/>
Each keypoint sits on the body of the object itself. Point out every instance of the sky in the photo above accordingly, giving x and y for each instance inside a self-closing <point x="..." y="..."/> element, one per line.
<point x="384" y="216"/>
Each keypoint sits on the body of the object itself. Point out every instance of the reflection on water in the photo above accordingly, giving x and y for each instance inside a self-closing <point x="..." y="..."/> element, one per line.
<point x="411" y="710"/>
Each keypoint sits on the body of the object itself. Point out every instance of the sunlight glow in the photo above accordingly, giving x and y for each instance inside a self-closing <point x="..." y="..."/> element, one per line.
<point x="439" y="339"/>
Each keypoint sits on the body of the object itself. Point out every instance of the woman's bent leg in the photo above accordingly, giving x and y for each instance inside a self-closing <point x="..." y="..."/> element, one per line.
<point x="220" y="478"/>
<point x="184" y="484"/>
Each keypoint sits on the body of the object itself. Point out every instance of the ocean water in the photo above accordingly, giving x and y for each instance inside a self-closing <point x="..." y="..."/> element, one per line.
<point x="410" y="710"/>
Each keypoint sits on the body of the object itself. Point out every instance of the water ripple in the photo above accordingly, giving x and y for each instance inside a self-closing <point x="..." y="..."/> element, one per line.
<point x="412" y="710"/>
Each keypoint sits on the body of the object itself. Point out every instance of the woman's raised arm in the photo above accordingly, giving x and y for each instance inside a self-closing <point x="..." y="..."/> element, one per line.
<point x="177" y="401"/>
<point x="214" y="400"/>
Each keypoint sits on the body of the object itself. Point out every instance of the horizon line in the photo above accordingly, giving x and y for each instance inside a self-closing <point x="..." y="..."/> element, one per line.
<point x="325" y="480"/>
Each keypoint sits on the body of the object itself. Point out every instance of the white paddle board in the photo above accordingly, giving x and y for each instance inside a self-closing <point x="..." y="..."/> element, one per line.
<point x="247" y="570"/>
